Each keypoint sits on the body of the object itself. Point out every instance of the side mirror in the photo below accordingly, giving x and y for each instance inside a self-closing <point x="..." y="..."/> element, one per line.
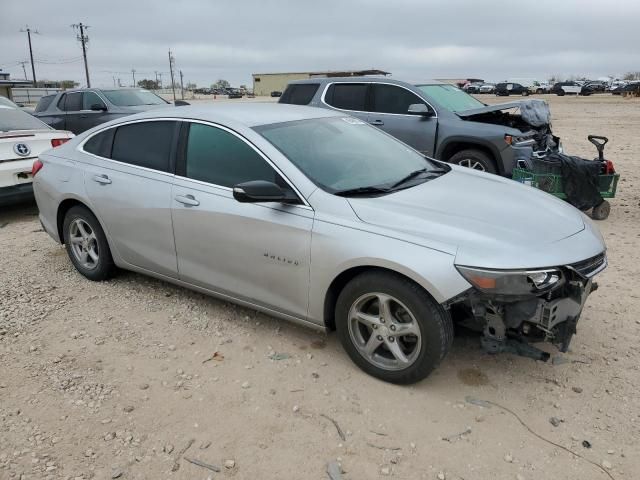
<point x="420" y="109"/>
<point x="258" y="191"/>
<point x="180" y="103"/>
<point x="98" y="107"/>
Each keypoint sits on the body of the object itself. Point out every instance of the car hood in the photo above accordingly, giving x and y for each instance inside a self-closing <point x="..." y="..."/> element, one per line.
<point x="483" y="219"/>
<point x="535" y="112"/>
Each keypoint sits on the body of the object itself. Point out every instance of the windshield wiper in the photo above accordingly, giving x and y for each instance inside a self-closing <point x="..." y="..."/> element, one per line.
<point x="361" y="191"/>
<point x="434" y="172"/>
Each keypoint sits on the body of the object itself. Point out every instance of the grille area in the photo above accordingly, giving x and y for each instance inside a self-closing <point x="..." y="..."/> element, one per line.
<point x="589" y="267"/>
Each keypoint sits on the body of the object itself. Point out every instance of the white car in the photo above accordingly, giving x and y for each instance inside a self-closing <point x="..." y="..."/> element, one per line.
<point x="22" y="138"/>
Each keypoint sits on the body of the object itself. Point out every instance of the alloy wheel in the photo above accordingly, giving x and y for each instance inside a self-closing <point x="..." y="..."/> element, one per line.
<point x="471" y="163"/>
<point x="84" y="243"/>
<point x="384" y="331"/>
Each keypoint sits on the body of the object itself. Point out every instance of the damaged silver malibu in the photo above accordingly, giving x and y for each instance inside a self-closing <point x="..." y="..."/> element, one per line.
<point x="316" y="217"/>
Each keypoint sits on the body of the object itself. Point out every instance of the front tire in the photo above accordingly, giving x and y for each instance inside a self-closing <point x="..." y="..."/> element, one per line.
<point x="87" y="244"/>
<point x="474" y="159"/>
<point x="391" y="328"/>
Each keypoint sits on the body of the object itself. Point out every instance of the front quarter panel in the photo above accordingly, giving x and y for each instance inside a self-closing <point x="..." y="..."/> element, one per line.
<point x="339" y="244"/>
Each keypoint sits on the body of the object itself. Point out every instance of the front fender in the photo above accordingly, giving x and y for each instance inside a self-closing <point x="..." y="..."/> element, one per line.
<point x="337" y="249"/>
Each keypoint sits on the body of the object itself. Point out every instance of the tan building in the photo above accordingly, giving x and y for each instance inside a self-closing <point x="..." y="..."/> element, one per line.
<point x="265" y="83"/>
<point x="6" y="83"/>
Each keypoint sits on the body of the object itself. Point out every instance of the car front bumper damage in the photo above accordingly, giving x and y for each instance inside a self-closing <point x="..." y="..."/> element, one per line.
<point x="514" y="325"/>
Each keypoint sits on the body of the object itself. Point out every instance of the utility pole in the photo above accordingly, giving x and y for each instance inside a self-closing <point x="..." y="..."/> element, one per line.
<point x="24" y="70"/>
<point x="160" y="75"/>
<point x="171" y="62"/>
<point x="133" y="74"/>
<point x="33" y="67"/>
<point x="181" y="86"/>
<point x="156" y="72"/>
<point x="114" y="81"/>
<point x="83" y="39"/>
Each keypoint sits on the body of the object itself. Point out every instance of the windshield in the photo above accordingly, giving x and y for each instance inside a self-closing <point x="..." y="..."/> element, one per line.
<point x="130" y="98"/>
<point x="14" y="119"/>
<point x="340" y="154"/>
<point x="450" y="97"/>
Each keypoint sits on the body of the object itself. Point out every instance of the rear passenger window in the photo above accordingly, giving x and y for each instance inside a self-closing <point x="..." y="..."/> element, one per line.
<point x="299" y="93"/>
<point x="144" y="144"/>
<point x="219" y="157"/>
<point x="347" y="96"/>
<point x="72" y="102"/>
<point x="100" y="144"/>
<point x="392" y="99"/>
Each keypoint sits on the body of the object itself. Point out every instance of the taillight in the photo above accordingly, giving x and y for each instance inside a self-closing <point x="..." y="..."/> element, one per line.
<point x="56" y="142"/>
<point x="37" y="166"/>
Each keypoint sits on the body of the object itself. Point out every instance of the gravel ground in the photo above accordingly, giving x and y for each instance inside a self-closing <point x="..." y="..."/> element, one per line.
<point x="129" y="378"/>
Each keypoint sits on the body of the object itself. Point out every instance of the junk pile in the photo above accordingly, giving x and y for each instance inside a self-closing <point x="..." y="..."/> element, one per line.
<point x="583" y="183"/>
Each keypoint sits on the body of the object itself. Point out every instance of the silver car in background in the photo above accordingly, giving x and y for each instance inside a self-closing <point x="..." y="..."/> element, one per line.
<point x="316" y="217"/>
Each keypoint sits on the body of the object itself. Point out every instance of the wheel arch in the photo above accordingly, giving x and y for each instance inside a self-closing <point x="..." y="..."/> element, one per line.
<point x="455" y="145"/>
<point x="343" y="278"/>
<point x="69" y="203"/>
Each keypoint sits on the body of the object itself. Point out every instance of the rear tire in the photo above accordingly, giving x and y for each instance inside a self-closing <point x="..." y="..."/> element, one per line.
<point x="380" y="348"/>
<point x="87" y="244"/>
<point x="475" y="159"/>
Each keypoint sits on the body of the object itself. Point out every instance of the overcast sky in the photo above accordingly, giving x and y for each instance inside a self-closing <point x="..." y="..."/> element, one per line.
<point x="413" y="39"/>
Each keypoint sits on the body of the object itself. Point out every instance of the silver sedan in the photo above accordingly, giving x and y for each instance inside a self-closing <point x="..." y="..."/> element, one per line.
<point x="319" y="218"/>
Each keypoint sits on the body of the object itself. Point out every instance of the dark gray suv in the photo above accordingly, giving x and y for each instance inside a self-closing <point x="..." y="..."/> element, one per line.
<point x="80" y="110"/>
<point x="435" y="118"/>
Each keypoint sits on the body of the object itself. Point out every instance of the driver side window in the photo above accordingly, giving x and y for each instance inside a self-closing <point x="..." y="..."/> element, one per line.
<point x="218" y="157"/>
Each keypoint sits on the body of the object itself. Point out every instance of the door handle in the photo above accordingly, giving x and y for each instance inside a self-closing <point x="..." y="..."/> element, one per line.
<point x="376" y="122"/>
<point x="187" y="200"/>
<point x="103" y="179"/>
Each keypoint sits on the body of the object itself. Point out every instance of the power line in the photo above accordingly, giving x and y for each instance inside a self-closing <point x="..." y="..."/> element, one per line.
<point x="33" y="68"/>
<point x="84" y="39"/>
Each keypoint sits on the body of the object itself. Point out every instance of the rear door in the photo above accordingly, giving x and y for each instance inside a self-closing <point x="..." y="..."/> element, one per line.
<point x="256" y="252"/>
<point x="128" y="180"/>
<point x="72" y="106"/>
<point x="389" y="112"/>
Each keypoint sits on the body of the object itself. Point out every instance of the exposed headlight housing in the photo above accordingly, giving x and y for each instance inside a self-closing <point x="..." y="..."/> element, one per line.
<point x="512" y="282"/>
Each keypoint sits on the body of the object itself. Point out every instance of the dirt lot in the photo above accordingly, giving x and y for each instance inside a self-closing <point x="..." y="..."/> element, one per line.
<point x="111" y="380"/>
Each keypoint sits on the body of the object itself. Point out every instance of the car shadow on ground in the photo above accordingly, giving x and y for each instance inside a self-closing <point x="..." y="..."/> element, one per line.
<point x="17" y="212"/>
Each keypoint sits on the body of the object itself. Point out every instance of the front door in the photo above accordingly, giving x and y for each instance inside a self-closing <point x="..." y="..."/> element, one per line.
<point x="258" y="253"/>
<point x="389" y="112"/>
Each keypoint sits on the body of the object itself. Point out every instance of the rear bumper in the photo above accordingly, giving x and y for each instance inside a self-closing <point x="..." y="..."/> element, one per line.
<point x="16" y="193"/>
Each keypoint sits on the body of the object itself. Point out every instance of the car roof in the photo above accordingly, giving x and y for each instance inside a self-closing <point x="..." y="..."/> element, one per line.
<point x="369" y="78"/>
<point x="250" y="114"/>
<point x="75" y="90"/>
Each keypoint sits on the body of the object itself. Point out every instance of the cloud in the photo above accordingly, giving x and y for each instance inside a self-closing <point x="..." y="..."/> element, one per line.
<point x="414" y="39"/>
